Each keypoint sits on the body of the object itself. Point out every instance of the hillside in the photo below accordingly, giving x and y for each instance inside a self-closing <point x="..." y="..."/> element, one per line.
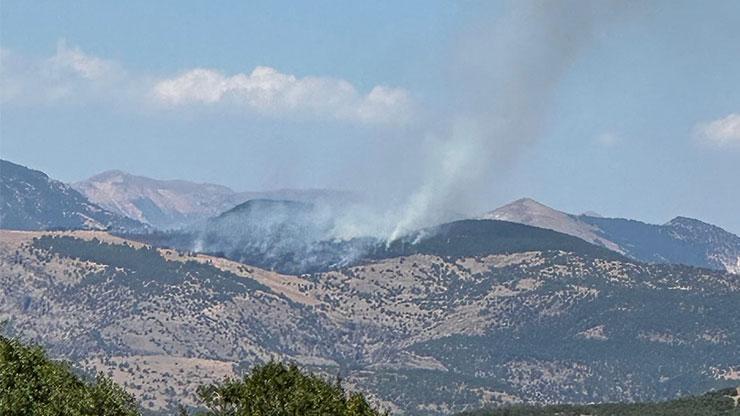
<point x="31" y="384"/>
<point x="681" y="241"/>
<point x="468" y="238"/>
<point x="294" y="237"/>
<point x="160" y="203"/>
<point x="168" y="204"/>
<point x="425" y="332"/>
<point x="280" y="235"/>
<point x="716" y="403"/>
<point x="34" y="385"/>
<point x="530" y="212"/>
<point x="30" y="200"/>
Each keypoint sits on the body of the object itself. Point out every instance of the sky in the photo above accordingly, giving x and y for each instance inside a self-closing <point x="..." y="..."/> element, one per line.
<point x="628" y="109"/>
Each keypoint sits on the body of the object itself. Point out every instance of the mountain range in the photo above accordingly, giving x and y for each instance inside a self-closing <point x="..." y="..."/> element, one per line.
<point x="453" y="317"/>
<point x="680" y="240"/>
<point x="168" y="204"/>
<point x="513" y="314"/>
<point x="250" y="227"/>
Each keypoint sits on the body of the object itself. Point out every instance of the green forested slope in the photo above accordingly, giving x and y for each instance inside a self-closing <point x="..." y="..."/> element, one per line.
<point x="715" y="403"/>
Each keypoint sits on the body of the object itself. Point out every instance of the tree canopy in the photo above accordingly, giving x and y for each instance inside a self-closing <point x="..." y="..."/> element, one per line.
<point x="277" y="389"/>
<point x="33" y="385"/>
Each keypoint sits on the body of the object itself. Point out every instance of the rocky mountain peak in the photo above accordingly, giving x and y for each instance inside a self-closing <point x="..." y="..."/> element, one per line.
<point x="530" y="212"/>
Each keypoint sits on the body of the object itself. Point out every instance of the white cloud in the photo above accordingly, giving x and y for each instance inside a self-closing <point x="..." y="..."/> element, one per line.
<point x="71" y="75"/>
<point x="267" y="91"/>
<point x="71" y="60"/>
<point x="68" y="75"/>
<point x="722" y="132"/>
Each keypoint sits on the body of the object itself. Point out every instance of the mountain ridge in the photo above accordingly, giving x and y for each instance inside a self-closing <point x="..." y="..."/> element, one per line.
<point x="31" y="200"/>
<point x="680" y="240"/>
<point x="530" y="212"/>
<point x="175" y="203"/>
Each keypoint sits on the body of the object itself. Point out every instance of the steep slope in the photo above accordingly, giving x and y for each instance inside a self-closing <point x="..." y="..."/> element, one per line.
<point x="294" y="237"/>
<point x="167" y="204"/>
<point x="530" y="212"/>
<point x="467" y="238"/>
<point x="682" y="240"/>
<point x="163" y="204"/>
<point x="721" y="248"/>
<point x="285" y="236"/>
<point x="30" y="200"/>
<point x="435" y="330"/>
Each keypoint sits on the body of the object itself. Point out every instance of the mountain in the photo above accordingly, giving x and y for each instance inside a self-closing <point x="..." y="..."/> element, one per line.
<point x="280" y="235"/>
<point x="161" y="203"/>
<point x="167" y="204"/>
<point x="530" y="212"/>
<point x="721" y="248"/>
<point x="296" y="237"/>
<point x="469" y="238"/>
<point x="457" y="317"/>
<point x="681" y="240"/>
<point x="30" y="200"/>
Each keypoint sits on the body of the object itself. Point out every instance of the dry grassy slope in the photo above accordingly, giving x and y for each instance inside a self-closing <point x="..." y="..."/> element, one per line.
<point x="45" y="298"/>
<point x="421" y="333"/>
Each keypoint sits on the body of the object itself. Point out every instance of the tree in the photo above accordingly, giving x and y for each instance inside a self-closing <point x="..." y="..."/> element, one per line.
<point x="276" y="389"/>
<point x="33" y="385"/>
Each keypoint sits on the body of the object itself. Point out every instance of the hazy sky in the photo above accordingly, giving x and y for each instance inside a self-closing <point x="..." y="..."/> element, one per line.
<point x="629" y="111"/>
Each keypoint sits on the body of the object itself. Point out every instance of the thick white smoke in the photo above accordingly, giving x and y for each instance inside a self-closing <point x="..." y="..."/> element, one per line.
<point x="506" y="72"/>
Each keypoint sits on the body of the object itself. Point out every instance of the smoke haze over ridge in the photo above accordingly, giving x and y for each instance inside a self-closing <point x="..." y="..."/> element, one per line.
<point x="430" y="110"/>
<point x="505" y="71"/>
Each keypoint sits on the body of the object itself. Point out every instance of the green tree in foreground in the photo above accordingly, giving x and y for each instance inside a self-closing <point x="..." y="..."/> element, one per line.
<point x="33" y="385"/>
<point x="276" y="389"/>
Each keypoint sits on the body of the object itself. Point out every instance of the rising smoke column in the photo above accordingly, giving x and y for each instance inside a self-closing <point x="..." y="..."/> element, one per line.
<point x="506" y="72"/>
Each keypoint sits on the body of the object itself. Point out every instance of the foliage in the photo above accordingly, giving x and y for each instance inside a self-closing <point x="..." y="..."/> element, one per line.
<point x="33" y="385"/>
<point x="469" y="238"/>
<point x="711" y="404"/>
<point x="284" y="246"/>
<point x="143" y="263"/>
<point x="277" y="389"/>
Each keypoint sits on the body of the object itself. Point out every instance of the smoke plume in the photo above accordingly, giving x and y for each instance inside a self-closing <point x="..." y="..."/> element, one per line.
<point x="505" y="73"/>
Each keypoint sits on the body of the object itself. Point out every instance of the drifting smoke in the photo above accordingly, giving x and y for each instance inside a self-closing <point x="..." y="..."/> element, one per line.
<point x="506" y="72"/>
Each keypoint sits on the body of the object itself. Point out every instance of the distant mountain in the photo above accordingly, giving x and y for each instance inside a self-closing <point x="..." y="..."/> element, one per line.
<point x="168" y="204"/>
<point x="530" y="212"/>
<point x="681" y="240"/>
<point x="475" y="314"/>
<point x="160" y="203"/>
<point x="280" y="235"/>
<point x="30" y="200"/>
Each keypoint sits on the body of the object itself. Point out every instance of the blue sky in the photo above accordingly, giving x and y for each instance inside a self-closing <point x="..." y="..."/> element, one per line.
<point x="640" y="117"/>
